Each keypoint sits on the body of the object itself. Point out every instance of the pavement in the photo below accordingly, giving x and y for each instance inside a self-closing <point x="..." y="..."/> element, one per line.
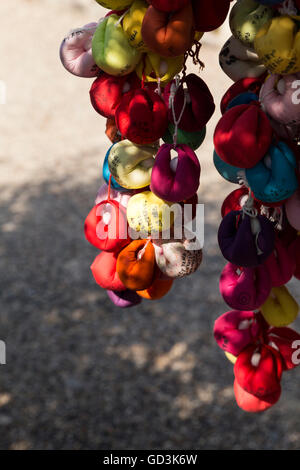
<point x="80" y="373"/>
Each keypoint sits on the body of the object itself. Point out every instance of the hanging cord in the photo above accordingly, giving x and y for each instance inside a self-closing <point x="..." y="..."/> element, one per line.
<point x="241" y="176"/>
<point x="194" y="54"/>
<point x="142" y="252"/>
<point x="173" y="91"/>
<point x="121" y="18"/>
<point x="277" y="217"/>
<point x="158" y="89"/>
<point x="248" y="208"/>
<point x="251" y="211"/>
<point x="109" y="188"/>
<point x="265" y="210"/>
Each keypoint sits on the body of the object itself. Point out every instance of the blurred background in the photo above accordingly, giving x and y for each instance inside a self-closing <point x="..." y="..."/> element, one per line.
<point x="80" y="373"/>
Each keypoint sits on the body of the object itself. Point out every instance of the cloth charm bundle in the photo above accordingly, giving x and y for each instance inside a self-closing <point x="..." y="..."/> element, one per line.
<point x="156" y="116"/>
<point x="257" y="146"/>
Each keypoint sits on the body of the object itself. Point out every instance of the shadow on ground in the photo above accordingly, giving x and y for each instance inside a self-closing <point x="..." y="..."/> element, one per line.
<point x="82" y="374"/>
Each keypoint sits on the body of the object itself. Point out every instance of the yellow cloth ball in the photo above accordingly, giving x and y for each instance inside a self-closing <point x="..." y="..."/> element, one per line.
<point x="131" y="165"/>
<point x="111" y="50"/>
<point x="132" y="24"/>
<point x="155" y="66"/>
<point x="277" y="44"/>
<point x="280" y="309"/>
<point x="230" y="357"/>
<point x="115" y="4"/>
<point x="148" y="214"/>
<point x="246" y="18"/>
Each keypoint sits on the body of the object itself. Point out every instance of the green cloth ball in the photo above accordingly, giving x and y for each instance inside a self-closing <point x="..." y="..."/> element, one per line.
<point x="192" y="139"/>
<point x="111" y="49"/>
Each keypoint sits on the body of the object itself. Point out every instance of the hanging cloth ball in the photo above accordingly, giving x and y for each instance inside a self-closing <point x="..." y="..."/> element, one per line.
<point x="273" y="179"/>
<point x="243" y="136"/>
<point x="168" y="6"/>
<point x="106" y="226"/>
<point x="111" y="49"/>
<point x="76" y="53"/>
<point x="280" y="264"/>
<point x="236" y="200"/>
<point x="235" y="330"/>
<point x="104" y="269"/>
<point x="246" y="241"/>
<point x="107" y="92"/>
<point x="193" y="103"/>
<point x="142" y="116"/>
<point x="175" y="179"/>
<point x="283" y="339"/>
<point x="239" y="61"/>
<point x="131" y="165"/>
<point x="136" y="265"/>
<point x="193" y="139"/>
<point x="279" y="98"/>
<point x="250" y="403"/>
<point x="154" y="68"/>
<point x="169" y="35"/>
<point x="245" y="288"/>
<point x="132" y="24"/>
<point x="258" y="370"/>
<point x="277" y="44"/>
<point x="280" y="309"/>
<point x="115" y="4"/>
<point x="231" y="173"/>
<point x="209" y="14"/>
<point x="251" y="85"/>
<point x="246" y="18"/>
<point x="175" y="258"/>
<point x="125" y="299"/>
<point x="158" y="289"/>
<point x="148" y="214"/>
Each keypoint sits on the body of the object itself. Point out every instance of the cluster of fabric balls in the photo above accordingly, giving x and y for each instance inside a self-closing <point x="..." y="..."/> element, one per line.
<point x="136" y="54"/>
<point x="257" y="146"/>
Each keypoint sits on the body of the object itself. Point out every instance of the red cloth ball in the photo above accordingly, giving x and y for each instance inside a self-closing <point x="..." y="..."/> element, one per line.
<point x="142" y="116"/>
<point x="168" y="5"/>
<point x="258" y="370"/>
<point x="107" y="92"/>
<point x="199" y="103"/>
<point x="210" y="14"/>
<point x="235" y="201"/>
<point x="294" y="250"/>
<point x="243" y="85"/>
<point x="111" y="234"/>
<point x="243" y="136"/>
<point x="252" y="404"/>
<point x="283" y="338"/>
<point x="104" y="269"/>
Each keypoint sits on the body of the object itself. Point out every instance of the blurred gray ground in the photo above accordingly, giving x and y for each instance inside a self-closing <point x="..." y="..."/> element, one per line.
<point x="80" y="373"/>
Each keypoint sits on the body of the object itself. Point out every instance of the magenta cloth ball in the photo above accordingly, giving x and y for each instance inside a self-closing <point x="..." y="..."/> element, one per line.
<point x="125" y="299"/>
<point x="245" y="288"/>
<point x="235" y="330"/>
<point x="178" y="179"/>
